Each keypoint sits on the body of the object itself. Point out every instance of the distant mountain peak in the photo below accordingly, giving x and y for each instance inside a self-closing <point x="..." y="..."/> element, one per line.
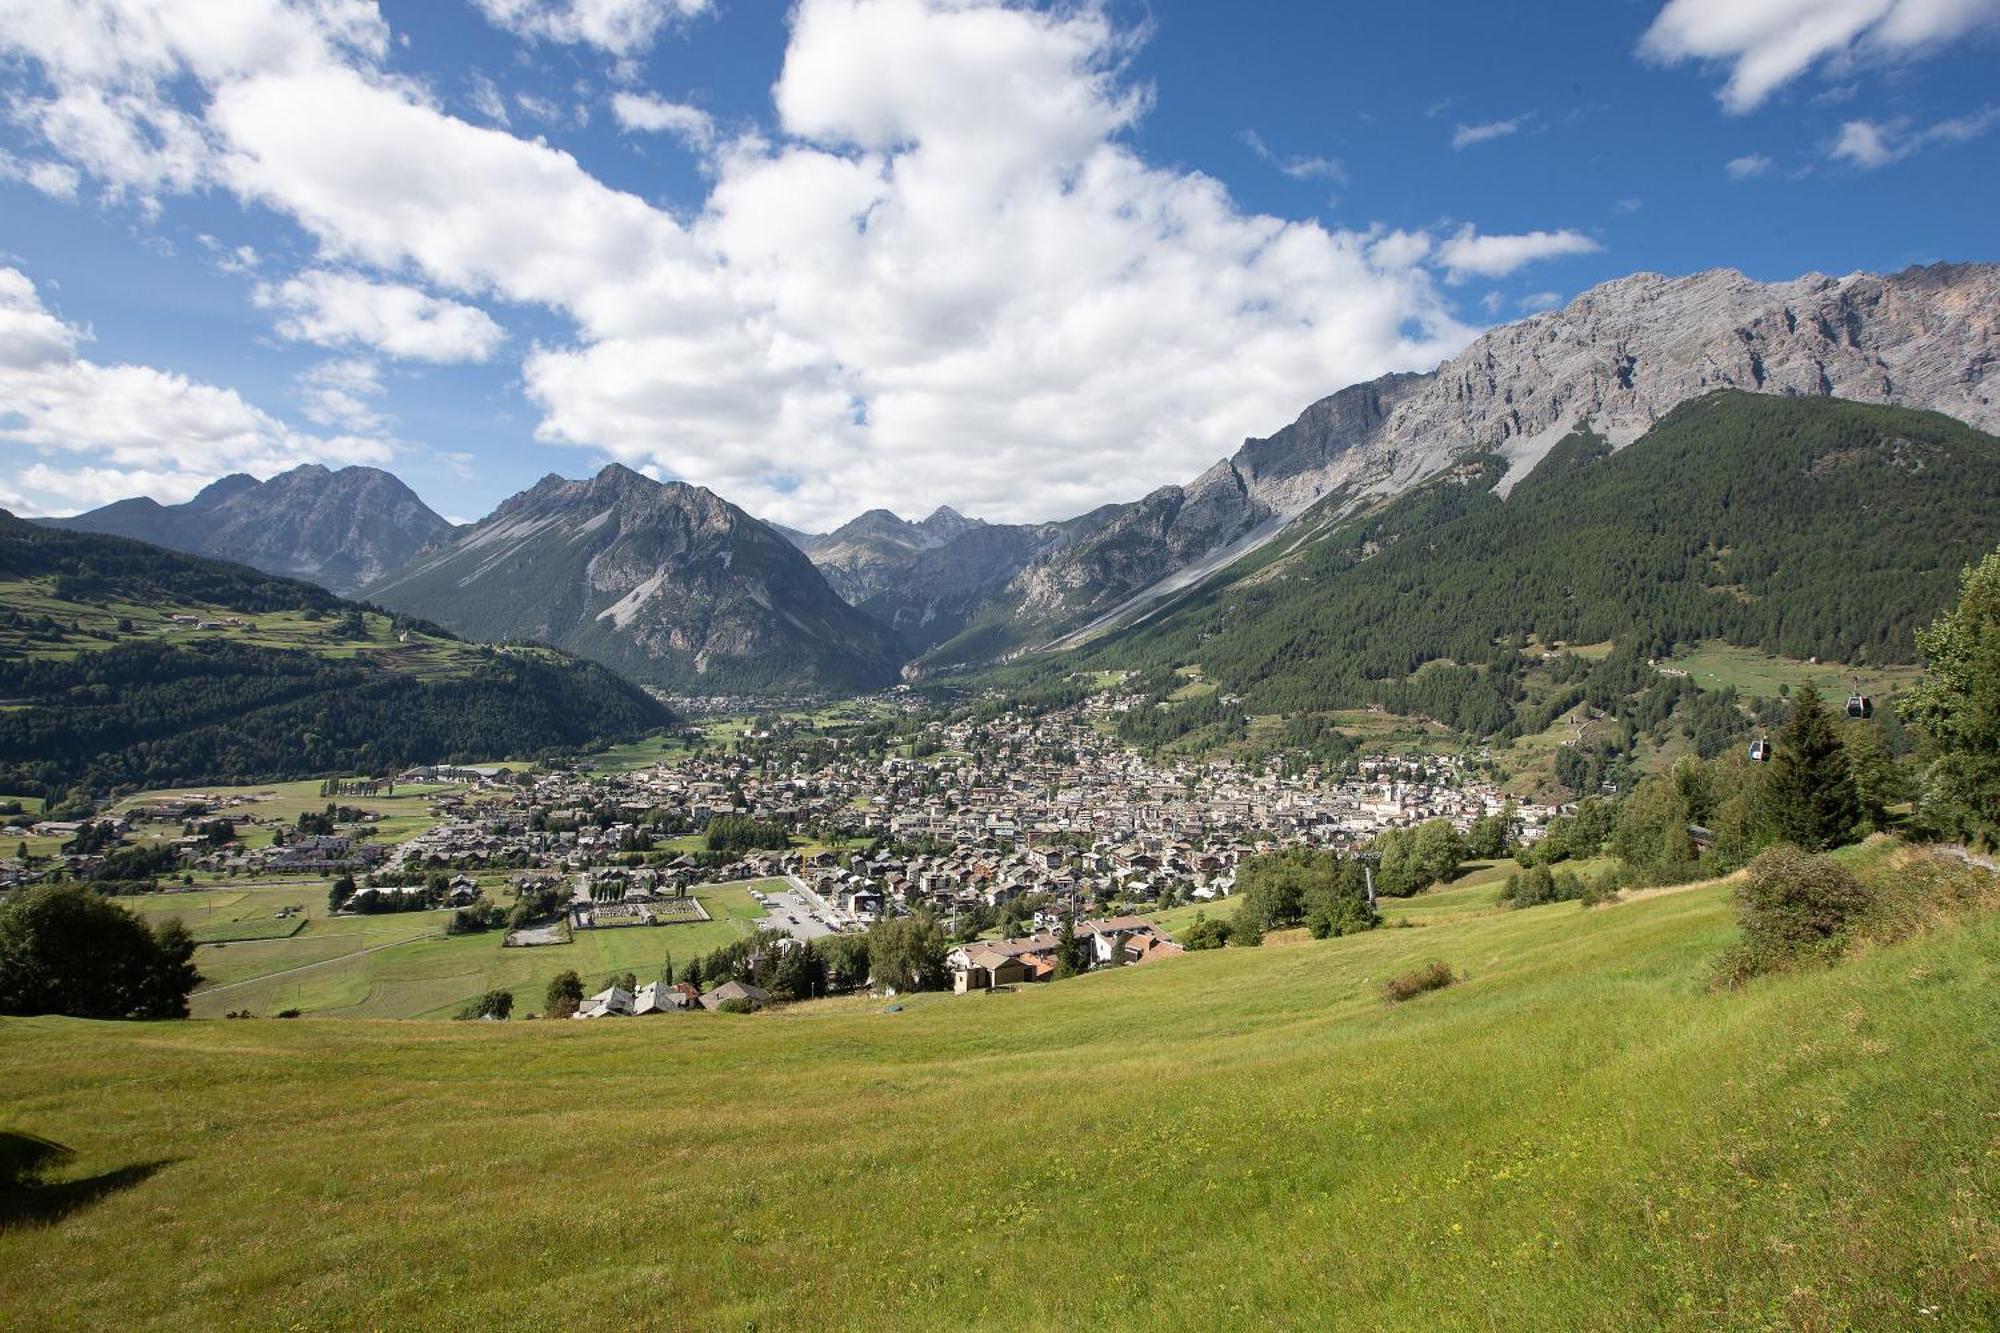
<point x="340" y="530"/>
<point x="224" y="488"/>
<point x="665" y="582"/>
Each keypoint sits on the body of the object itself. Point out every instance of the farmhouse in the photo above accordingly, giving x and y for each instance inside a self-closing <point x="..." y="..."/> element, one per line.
<point x="735" y="990"/>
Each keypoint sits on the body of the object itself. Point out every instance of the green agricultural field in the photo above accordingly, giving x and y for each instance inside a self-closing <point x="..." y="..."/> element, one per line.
<point x="404" y="815"/>
<point x="1721" y="666"/>
<point x="720" y="733"/>
<point x="403" y="965"/>
<point x="1578" y="1135"/>
<point x="248" y="928"/>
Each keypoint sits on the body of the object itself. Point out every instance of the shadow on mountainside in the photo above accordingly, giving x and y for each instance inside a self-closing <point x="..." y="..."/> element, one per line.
<point x="26" y="1200"/>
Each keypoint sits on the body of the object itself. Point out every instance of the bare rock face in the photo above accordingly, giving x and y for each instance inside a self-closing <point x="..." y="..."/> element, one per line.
<point x="1622" y="355"/>
<point x="1618" y="357"/>
<point x="341" y="530"/>
<point x="667" y="583"/>
<point x="871" y="553"/>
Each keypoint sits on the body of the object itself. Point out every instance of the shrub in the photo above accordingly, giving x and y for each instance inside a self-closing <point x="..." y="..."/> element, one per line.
<point x="494" y="1004"/>
<point x="1538" y="884"/>
<point x="1429" y="977"/>
<point x="1206" y="933"/>
<point x="1792" y="907"/>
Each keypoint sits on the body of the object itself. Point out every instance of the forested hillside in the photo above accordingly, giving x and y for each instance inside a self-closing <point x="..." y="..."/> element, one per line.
<point x="123" y="664"/>
<point x="1808" y="527"/>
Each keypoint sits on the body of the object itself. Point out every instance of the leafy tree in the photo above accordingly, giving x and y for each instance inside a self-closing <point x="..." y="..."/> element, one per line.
<point x="1650" y="832"/>
<point x="798" y="974"/>
<point x="66" y="950"/>
<point x="843" y="960"/>
<point x="1271" y="891"/>
<point x="907" y="953"/>
<point x="338" y="895"/>
<point x="1957" y="708"/>
<point x="1809" y="794"/>
<point x="1414" y="859"/>
<point x="740" y="833"/>
<point x="1337" y="899"/>
<point x="565" y="994"/>
<point x="1302" y="886"/>
<point x="1490" y="836"/>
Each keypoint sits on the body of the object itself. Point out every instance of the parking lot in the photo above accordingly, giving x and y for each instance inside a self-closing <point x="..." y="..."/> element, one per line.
<point x="793" y="913"/>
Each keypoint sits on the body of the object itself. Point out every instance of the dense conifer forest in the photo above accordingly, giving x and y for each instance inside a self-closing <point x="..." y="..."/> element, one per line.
<point x="1806" y="527"/>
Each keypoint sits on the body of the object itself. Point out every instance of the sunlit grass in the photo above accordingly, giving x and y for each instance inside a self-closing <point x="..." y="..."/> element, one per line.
<point x="1577" y="1135"/>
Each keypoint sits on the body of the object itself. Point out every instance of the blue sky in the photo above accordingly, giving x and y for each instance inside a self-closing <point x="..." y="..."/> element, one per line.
<point x="850" y="253"/>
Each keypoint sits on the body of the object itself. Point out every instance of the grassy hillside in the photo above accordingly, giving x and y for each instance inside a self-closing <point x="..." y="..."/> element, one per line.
<point x="127" y="665"/>
<point x="1577" y="1136"/>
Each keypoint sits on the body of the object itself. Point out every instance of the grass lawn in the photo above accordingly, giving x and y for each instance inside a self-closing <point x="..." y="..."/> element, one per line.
<point x="1177" y="920"/>
<point x="1578" y="1135"/>
<point x="249" y="928"/>
<point x="402" y="965"/>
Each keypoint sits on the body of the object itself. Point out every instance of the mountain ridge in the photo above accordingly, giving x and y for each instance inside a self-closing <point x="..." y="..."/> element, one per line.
<point x="665" y="582"/>
<point x="341" y="529"/>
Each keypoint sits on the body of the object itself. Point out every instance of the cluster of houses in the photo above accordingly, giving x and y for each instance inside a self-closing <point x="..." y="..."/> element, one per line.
<point x="979" y="813"/>
<point x="660" y="998"/>
<point x="1110" y="942"/>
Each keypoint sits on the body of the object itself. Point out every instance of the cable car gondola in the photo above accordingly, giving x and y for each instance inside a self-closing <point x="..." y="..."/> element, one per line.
<point x="1860" y="706"/>
<point x="1760" y="751"/>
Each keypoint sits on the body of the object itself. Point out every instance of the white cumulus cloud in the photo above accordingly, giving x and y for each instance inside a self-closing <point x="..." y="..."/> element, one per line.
<point x="621" y="27"/>
<point x="120" y="430"/>
<point x="942" y="274"/>
<point x="1467" y="254"/>
<point x="344" y="309"/>
<point x="1765" y="44"/>
<point x="647" y="114"/>
<point x="1869" y="144"/>
<point x="1748" y="166"/>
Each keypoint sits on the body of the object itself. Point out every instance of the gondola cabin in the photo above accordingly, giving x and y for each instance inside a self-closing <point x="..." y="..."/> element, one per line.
<point x="1760" y="751"/>
<point x="1860" y="705"/>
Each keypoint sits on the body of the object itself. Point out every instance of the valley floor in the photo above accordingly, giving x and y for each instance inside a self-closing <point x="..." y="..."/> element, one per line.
<point x="1578" y="1135"/>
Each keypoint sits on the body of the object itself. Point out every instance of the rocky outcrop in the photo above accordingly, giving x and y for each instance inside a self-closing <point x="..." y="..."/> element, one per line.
<point x="1622" y="355"/>
<point x="868" y="554"/>
<point x="1618" y="357"/>
<point x="667" y="583"/>
<point x="341" y="530"/>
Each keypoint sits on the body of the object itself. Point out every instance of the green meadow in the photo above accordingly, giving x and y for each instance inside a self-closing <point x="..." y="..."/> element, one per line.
<point x="1579" y="1134"/>
<point x="402" y="816"/>
<point x="1719" y="666"/>
<point x="402" y="964"/>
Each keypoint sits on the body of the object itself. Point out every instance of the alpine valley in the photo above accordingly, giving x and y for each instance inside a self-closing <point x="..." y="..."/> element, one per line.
<point x="678" y="589"/>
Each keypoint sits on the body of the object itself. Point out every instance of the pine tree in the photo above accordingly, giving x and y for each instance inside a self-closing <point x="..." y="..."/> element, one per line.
<point x="1069" y="954"/>
<point x="1809" y="794"/>
<point x="1957" y="707"/>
